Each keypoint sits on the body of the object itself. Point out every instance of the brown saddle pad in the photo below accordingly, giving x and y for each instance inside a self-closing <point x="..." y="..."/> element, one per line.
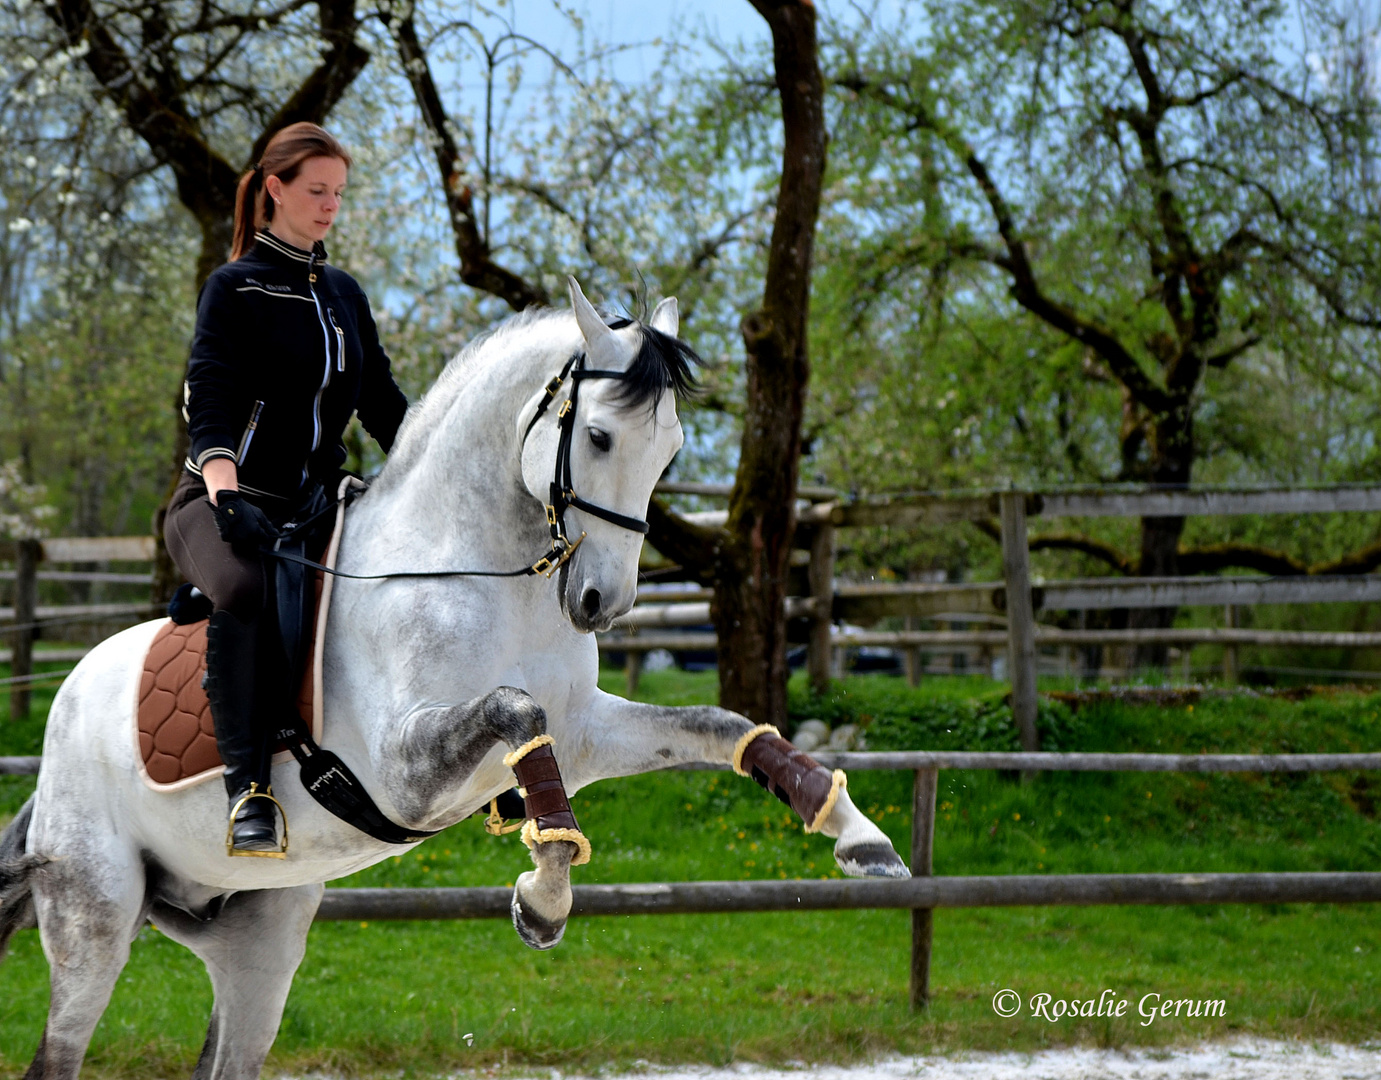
<point x="176" y="738"/>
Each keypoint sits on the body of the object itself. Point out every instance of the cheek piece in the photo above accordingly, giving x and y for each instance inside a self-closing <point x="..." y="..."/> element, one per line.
<point x="562" y="488"/>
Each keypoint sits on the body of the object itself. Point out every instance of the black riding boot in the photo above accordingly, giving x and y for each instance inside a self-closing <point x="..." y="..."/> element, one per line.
<point x="231" y="647"/>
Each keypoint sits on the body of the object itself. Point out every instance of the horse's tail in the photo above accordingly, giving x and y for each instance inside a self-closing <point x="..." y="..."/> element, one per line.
<point x="16" y="868"/>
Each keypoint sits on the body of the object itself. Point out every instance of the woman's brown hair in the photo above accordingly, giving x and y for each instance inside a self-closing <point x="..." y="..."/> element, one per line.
<point x="283" y="158"/>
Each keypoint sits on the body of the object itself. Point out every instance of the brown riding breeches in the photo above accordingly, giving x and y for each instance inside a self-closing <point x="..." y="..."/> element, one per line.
<point x="234" y="582"/>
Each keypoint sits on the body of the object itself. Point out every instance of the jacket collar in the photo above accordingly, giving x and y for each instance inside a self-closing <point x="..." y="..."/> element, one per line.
<point x="274" y="249"/>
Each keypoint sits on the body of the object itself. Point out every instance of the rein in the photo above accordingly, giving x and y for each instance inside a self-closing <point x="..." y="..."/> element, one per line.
<point x="562" y="494"/>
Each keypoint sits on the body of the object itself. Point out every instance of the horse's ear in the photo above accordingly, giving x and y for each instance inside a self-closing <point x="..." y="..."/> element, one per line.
<point x="599" y="339"/>
<point x="666" y="317"/>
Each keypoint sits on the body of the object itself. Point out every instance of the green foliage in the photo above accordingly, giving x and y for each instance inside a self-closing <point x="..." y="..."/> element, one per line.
<point x="927" y="371"/>
<point x="896" y="717"/>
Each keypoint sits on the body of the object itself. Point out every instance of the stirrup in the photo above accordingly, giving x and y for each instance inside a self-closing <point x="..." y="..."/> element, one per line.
<point x="495" y="825"/>
<point x="255" y="793"/>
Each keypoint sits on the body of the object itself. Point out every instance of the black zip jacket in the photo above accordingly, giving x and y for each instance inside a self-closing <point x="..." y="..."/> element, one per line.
<point x="285" y="350"/>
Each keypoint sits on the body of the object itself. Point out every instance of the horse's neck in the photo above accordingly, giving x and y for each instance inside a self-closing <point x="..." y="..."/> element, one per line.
<point x="461" y="498"/>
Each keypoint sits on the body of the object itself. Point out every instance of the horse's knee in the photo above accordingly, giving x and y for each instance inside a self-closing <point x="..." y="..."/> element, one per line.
<point x="515" y="715"/>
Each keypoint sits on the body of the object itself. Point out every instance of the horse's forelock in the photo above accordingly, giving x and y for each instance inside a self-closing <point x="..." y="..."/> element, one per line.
<point x="662" y="363"/>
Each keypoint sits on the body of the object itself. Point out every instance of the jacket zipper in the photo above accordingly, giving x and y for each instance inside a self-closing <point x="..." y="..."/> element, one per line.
<point x="326" y="340"/>
<point x="248" y="436"/>
<point x="340" y="340"/>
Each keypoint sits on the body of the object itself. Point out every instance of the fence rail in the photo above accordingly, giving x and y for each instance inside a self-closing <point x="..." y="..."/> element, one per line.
<point x="942" y="508"/>
<point x="1013" y="890"/>
<point x="1045" y="635"/>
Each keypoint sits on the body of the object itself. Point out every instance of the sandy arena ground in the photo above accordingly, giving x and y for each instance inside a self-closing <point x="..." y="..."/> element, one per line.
<point x="1247" y="1059"/>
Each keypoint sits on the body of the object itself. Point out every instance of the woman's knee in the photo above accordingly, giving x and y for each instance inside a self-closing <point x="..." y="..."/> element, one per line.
<point x="242" y="595"/>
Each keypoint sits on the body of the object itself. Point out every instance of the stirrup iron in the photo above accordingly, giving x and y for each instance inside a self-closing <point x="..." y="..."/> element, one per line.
<point x="255" y="793"/>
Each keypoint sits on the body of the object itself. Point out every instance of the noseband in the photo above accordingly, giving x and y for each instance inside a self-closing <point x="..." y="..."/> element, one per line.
<point x="562" y="492"/>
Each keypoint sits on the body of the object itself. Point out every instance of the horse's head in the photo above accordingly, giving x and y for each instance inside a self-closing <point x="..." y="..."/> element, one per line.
<point x="620" y="436"/>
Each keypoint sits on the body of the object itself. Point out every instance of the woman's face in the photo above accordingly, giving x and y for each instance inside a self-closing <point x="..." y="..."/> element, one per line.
<point x="306" y="208"/>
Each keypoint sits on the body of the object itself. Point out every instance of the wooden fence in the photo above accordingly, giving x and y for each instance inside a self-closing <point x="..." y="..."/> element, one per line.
<point x="925" y="891"/>
<point x="1016" y="597"/>
<point x="1015" y="601"/>
<point x="32" y="560"/>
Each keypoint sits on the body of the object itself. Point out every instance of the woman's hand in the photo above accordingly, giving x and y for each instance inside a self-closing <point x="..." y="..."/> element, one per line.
<point x="241" y="524"/>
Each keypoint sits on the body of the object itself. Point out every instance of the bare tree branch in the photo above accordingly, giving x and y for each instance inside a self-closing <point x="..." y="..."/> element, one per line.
<point x="324" y="87"/>
<point x="477" y="266"/>
<point x="691" y="546"/>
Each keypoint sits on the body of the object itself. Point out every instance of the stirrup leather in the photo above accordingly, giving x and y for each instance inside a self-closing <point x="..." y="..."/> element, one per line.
<point x="255" y="793"/>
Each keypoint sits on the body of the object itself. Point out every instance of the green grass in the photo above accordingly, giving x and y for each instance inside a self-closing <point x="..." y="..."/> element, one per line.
<point x="826" y="985"/>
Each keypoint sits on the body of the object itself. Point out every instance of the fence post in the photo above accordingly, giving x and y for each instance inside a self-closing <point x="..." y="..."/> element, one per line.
<point x="821" y="575"/>
<point x="913" y="660"/>
<point x="922" y="865"/>
<point x="1231" y="657"/>
<point x="27" y="555"/>
<point x="633" y="669"/>
<point x="1021" y="619"/>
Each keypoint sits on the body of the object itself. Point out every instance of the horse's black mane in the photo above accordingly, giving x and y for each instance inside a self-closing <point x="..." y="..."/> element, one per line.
<point x="662" y="362"/>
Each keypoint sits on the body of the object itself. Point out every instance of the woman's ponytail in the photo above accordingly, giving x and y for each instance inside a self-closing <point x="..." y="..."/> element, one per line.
<point x="248" y="203"/>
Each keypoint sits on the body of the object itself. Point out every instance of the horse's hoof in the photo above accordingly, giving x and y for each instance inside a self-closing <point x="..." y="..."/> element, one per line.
<point x="871" y="860"/>
<point x="535" y="931"/>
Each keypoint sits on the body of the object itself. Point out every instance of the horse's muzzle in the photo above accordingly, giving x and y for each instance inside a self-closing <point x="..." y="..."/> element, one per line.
<point x="589" y="609"/>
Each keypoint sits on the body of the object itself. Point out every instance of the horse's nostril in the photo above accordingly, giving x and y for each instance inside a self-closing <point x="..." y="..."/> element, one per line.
<point x="589" y="603"/>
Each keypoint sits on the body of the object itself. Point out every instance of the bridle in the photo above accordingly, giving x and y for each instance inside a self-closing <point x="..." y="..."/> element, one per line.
<point x="562" y="490"/>
<point x="561" y="493"/>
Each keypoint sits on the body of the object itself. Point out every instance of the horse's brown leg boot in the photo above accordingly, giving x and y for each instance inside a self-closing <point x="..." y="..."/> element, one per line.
<point x="548" y="811"/>
<point x="790" y="774"/>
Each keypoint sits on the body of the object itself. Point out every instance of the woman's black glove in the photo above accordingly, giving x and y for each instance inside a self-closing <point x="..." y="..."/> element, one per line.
<point x="241" y="524"/>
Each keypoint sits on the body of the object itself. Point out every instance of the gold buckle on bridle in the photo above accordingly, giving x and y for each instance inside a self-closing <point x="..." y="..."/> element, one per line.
<point x="546" y="565"/>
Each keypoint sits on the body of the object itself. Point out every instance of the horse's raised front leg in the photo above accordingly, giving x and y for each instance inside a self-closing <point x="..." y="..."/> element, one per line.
<point x="440" y="748"/>
<point x="251" y="950"/>
<point x="614" y="737"/>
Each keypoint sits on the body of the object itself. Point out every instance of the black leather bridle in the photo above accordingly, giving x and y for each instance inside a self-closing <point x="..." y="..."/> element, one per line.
<point x="562" y="492"/>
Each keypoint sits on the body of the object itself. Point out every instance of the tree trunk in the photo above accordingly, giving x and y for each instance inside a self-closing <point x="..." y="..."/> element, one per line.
<point x="752" y="555"/>
<point x="1172" y="465"/>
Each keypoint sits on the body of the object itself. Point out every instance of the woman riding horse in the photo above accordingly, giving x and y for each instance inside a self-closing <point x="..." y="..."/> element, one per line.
<point x="285" y="351"/>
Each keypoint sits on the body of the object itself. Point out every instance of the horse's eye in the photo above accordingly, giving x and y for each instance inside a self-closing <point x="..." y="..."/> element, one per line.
<point x="600" y="439"/>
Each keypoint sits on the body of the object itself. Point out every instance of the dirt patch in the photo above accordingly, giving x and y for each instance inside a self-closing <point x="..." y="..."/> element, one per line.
<point x="1243" y="1059"/>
